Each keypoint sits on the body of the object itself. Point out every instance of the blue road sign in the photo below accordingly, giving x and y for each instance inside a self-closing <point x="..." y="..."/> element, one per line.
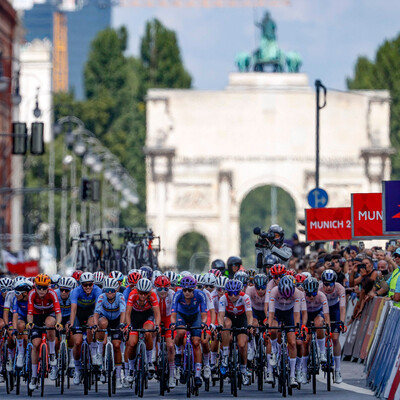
<point x="317" y="198"/>
<point x="391" y="206"/>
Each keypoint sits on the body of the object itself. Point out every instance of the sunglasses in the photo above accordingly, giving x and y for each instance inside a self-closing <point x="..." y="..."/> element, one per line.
<point x="65" y="290"/>
<point x="278" y="276"/>
<point x="220" y="289"/>
<point x="39" y="287"/>
<point x="188" y="290"/>
<point x="262" y="287"/>
<point x="18" y="293"/>
<point x="162" y="289"/>
<point x="329" y="284"/>
<point x="234" y="293"/>
<point x="109" y="290"/>
<point x="143" y="293"/>
<point x="87" y="284"/>
<point x="5" y="290"/>
<point x="209" y="286"/>
<point x="313" y="294"/>
<point x="396" y="255"/>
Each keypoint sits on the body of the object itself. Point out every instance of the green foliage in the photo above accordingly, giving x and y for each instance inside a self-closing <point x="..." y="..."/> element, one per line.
<point x="255" y="210"/>
<point x="383" y="73"/>
<point x="193" y="253"/>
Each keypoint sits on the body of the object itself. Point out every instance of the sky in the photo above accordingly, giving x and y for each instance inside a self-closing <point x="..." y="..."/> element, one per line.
<point x="329" y="34"/>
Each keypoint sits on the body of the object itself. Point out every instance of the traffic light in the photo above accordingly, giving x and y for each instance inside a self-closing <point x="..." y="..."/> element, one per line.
<point x="37" y="143"/>
<point x="302" y="222"/>
<point x="95" y="183"/>
<point x="86" y="189"/>
<point x="19" y="138"/>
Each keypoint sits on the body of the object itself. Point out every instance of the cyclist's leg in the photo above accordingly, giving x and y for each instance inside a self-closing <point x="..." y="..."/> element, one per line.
<point x="92" y="343"/>
<point x="148" y="338"/>
<point x="226" y="338"/>
<point x="103" y="324"/>
<point x="50" y="322"/>
<point x="319" y="321"/>
<point x="179" y="338"/>
<point x="334" y="313"/>
<point x="21" y="341"/>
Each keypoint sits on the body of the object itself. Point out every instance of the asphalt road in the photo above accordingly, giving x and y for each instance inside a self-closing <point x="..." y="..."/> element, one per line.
<point x="353" y="387"/>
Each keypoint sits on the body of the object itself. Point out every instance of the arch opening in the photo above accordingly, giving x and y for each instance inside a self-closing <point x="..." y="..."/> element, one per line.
<point x="193" y="253"/>
<point x="262" y="207"/>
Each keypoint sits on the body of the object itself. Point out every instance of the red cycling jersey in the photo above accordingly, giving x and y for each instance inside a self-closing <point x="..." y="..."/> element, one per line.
<point x="46" y="305"/>
<point x="133" y="301"/>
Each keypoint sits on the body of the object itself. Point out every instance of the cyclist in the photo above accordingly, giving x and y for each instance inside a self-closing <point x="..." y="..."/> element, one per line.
<point x="219" y="265"/>
<point x="110" y="313"/>
<point x="142" y="311"/>
<point x="284" y="307"/>
<point x="44" y="311"/>
<point x="234" y="265"/>
<point x="278" y="271"/>
<point x="165" y="297"/>
<point x="119" y="276"/>
<point x="54" y="281"/>
<point x="269" y="262"/>
<point x="99" y="279"/>
<point x="235" y="312"/>
<point x="20" y="313"/>
<point x="83" y="301"/>
<point x="318" y="311"/>
<point x="215" y="272"/>
<point x="133" y="279"/>
<point x="173" y="278"/>
<point x="77" y="275"/>
<point x="189" y="307"/>
<point x="336" y="295"/>
<point x="146" y="272"/>
<point x="251" y="274"/>
<point x="6" y="284"/>
<point x="242" y="277"/>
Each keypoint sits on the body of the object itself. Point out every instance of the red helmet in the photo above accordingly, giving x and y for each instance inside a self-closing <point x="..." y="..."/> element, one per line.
<point x="215" y="272"/>
<point x="162" y="282"/>
<point x="133" y="278"/>
<point x="77" y="275"/>
<point x="278" y="269"/>
<point x="291" y="272"/>
<point x="300" y="278"/>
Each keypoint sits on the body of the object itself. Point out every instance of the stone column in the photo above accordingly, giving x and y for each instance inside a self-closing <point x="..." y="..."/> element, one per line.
<point x="225" y="187"/>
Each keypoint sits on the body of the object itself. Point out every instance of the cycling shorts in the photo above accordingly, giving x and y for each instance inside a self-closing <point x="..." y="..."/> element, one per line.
<point x="314" y="314"/>
<point x="238" y="320"/>
<point x="140" y="318"/>
<point x="166" y="321"/>
<point x="191" y="320"/>
<point x="40" y="320"/>
<point x="334" y="313"/>
<point x="82" y="317"/>
<point x="285" y="317"/>
<point x="259" y="315"/>
<point x="114" y="324"/>
<point x="65" y="320"/>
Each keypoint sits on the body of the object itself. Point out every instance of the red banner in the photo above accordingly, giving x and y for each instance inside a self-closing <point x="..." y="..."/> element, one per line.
<point x="325" y="224"/>
<point x="25" y="268"/>
<point x="367" y="216"/>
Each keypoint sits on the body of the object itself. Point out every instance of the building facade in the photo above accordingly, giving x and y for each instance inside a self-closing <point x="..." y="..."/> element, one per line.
<point x="206" y="150"/>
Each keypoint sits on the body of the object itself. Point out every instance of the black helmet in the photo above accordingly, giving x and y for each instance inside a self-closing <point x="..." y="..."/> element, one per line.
<point x="270" y="260"/>
<point x="218" y="264"/>
<point x="233" y="260"/>
<point x="278" y="232"/>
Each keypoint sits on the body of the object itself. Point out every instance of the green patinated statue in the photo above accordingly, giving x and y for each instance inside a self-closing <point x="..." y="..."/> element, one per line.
<point x="269" y="53"/>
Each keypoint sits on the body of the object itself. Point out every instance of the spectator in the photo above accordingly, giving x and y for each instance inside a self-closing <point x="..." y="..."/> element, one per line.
<point x="394" y="281"/>
<point x="383" y="270"/>
<point x="298" y="248"/>
<point x="336" y="266"/>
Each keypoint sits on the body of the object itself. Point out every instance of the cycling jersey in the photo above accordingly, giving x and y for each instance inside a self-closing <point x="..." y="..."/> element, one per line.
<point x="198" y="303"/>
<point x="8" y="302"/>
<point x="241" y="305"/>
<point x="65" y="305"/>
<point x="215" y="298"/>
<point x="337" y="296"/>
<point x="126" y="293"/>
<point x="2" y="300"/>
<point x="271" y="284"/>
<point x="257" y="302"/>
<point x="84" y="301"/>
<point x="317" y="303"/>
<point x="46" y="305"/>
<point x="150" y="301"/>
<point x="113" y="310"/>
<point x="210" y="303"/>
<point x="277" y="301"/>
<point x="20" y="308"/>
<point x="166" y="303"/>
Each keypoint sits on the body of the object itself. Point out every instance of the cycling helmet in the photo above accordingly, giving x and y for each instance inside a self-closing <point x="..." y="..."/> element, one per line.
<point x="311" y="285"/>
<point x="260" y="280"/>
<point x="144" y="285"/>
<point x="98" y="278"/>
<point x="172" y="276"/>
<point x="110" y="283"/>
<point x="67" y="283"/>
<point x="55" y="278"/>
<point x="251" y="273"/>
<point x="199" y="279"/>
<point x="291" y="272"/>
<point x="186" y="273"/>
<point x="87" y="277"/>
<point x="77" y="275"/>
<point x="215" y="272"/>
<point x="209" y="279"/>
<point x="286" y="287"/>
<point x="42" y="280"/>
<point x="6" y="283"/>
<point x="233" y="260"/>
<point x="178" y="281"/>
<point x="16" y="280"/>
<point x="300" y="278"/>
<point x="271" y="260"/>
<point x="306" y="274"/>
<point x="188" y="282"/>
<point x="119" y="276"/>
<point x="221" y="281"/>
<point x="279" y="233"/>
<point x="233" y="285"/>
<point x="162" y="282"/>
<point x="156" y="274"/>
<point x="147" y="272"/>
<point x="329" y="276"/>
<point x="24" y="286"/>
<point x="278" y="269"/>
<point x="133" y="277"/>
<point x="242" y="277"/>
<point x="219" y="265"/>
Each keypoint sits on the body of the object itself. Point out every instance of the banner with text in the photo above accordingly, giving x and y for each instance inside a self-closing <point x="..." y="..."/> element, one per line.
<point x="367" y="216"/>
<point x="391" y="207"/>
<point x="325" y="224"/>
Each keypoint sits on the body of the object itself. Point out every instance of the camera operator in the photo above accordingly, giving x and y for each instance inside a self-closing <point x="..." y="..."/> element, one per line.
<point x="271" y="242"/>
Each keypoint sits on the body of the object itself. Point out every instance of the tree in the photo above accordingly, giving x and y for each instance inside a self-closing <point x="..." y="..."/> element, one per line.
<point x="383" y="73"/>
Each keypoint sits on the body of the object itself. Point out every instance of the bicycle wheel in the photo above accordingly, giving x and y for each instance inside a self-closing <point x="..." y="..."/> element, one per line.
<point x="62" y="364"/>
<point x="28" y="367"/>
<point x="314" y="367"/>
<point x="283" y="372"/>
<point x="260" y="364"/>
<point x="141" y="371"/>
<point x="188" y="371"/>
<point x="109" y="369"/>
<point x="85" y="363"/>
<point x="163" y="366"/>
<point x="328" y="365"/>
<point x="234" y="375"/>
<point x="43" y="367"/>
<point x="4" y="372"/>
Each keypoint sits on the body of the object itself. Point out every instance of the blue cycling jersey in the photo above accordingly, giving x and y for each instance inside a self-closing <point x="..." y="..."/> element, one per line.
<point x="20" y="308"/>
<point x="2" y="300"/>
<point x="84" y="301"/>
<point x="110" y="310"/>
<point x="127" y="292"/>
<point x="65" y="305"/>
<point x="198" y="303"/>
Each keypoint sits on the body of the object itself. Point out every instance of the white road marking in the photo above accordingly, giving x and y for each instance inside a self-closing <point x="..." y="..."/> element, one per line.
<point x="346" y="386"/>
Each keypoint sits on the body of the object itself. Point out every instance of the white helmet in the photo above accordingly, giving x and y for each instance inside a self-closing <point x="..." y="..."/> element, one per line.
<point x="16" y="281"/>
<point x="86" y="277"/>
<point x="110" y="283"/>
<point x="144" y="285"/>
<point x="67" y="282"/>
<point x="24" y="285"/>
<point x="118" y="275"/>
<point x="306" y="274"/>
<point x="98" y="278"/>
<point x="172" y="276"/>
<point x="134" y="270"/>
<point x="198" y="278"/>
<point x="186" y="273"/>
<point x="220" y="282"/>
<point x="209" y="279"/>
<point x="55" y="278"/>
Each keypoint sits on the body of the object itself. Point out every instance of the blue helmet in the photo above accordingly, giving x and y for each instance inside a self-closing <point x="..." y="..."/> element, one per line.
<point x="260" y="280"/>
<point x="286" y="287"/>
<point x="233" y="285"/>
<point x="329" y="276"/>
<point x="242" y="277"/>
<point x="188" y="282"/>
<point x="147" y="272"/>
<point x="311" y="285"/>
